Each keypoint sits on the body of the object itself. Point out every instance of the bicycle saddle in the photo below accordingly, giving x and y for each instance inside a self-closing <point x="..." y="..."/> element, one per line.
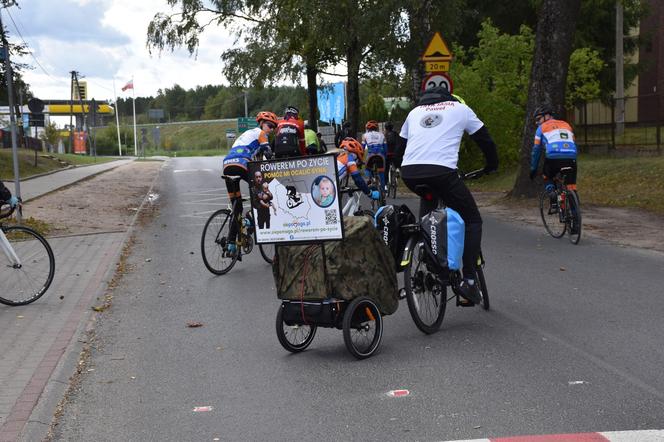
<point x="424" y="191"/>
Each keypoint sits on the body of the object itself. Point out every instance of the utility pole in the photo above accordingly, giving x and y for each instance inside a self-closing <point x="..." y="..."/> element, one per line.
<point x="12" y="118"/>
<point x="84" y="114"/>
<point x="246" y="113"/>
<point x="620" y="77"/>
<point x="71" y="113"/>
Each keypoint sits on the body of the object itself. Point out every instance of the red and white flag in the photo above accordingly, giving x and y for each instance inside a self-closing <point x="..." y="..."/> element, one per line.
<point x="129" y="85"/>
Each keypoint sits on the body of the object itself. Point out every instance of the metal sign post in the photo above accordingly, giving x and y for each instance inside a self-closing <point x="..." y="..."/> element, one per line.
<point x="12" y="117"/>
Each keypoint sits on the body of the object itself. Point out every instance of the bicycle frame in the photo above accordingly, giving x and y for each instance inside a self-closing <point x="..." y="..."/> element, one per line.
<point x="352" y="205"/>
<point x="9" y="250"/>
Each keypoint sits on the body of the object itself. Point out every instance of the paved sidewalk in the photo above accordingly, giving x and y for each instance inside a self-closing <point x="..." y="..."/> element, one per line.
<point x="40" y="343"/>
<point x="35" y="337"/>
<point x="32" y="188"/>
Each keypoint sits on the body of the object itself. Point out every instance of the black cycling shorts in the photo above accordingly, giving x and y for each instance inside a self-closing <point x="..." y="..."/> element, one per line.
<point x="552" y="167"/>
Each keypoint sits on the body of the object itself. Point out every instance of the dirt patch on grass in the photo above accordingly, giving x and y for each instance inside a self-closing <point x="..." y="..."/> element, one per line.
<point x="105" y="203"/>
<point x="627" y="227"/>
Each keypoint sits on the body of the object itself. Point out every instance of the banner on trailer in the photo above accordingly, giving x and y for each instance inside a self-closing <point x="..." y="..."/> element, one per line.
<point x="296" y="200"/>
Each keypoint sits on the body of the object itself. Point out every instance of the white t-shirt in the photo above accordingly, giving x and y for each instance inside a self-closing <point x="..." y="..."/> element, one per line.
<point x="433" y="133"/>
<point x="373" y="137"/>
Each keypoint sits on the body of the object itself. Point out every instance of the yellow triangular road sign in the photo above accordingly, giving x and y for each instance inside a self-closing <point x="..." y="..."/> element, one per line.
<point x="437" y="49"/>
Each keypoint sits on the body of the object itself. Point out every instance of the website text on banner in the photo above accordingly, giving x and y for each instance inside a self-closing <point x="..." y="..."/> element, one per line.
<point x="296" y="200"/>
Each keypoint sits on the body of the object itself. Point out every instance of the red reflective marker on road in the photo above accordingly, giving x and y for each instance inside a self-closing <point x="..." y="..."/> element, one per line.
<point x="398" y="393"/>
<point x="205" y="408"/>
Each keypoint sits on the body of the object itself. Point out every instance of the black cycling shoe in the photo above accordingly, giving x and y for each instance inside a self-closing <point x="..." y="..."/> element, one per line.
<point x="470" y="292"/>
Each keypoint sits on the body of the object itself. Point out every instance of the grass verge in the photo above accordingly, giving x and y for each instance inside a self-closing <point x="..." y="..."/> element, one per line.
<point x="602" y="181"/>
<point x="45" y="162"/>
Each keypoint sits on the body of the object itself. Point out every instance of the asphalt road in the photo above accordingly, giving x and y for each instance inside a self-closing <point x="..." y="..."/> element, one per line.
<point x="573" y="343"/>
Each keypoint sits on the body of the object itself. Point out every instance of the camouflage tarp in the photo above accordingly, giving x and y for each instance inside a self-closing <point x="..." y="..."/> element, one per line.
<point x="360" y="265"/>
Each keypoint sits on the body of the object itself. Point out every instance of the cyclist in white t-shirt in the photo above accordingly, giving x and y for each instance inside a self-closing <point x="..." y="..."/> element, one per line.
<point x="433" y="132"/>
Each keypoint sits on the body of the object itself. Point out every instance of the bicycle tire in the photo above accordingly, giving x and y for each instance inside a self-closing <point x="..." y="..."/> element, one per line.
<point x="554" y="225"/>
<point x="214" y="241"/>
<point x="267" y="252"/>
<point x="362" y="327"/>
<point x="284" y="334"/>
<point x="36" y="258"/>
<point x="392" y="186"/>
<point x="573" y="218"/>
<point x="484" y="291"/>
<point x="420" y="300"/>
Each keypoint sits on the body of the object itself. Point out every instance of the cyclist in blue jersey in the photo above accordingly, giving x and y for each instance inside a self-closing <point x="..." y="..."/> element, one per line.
<point x="376" y="150"/>
<point x="246" y="148"/>
<point x="555" y="139"/>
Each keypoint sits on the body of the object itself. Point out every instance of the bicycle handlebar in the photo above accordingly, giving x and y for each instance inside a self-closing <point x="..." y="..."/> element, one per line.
<point x="350" y="190"/>
<point x="472" y="175"/>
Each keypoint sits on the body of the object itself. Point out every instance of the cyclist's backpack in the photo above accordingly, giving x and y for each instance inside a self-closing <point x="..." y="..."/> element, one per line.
<point x="443" y="231"/>
<point x="388" y="221"/>
<point x="287" y="141"/>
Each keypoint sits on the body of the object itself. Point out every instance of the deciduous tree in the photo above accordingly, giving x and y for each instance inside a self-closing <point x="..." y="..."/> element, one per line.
<point x="554" y="41"/>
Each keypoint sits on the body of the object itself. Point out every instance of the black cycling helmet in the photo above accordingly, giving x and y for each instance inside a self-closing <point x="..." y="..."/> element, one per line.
<point x="542" y="110"/>
<point x="435" y="95"/>
<point x="389" y="125"/>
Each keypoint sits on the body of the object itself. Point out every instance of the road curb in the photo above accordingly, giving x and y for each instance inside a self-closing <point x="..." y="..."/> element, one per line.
<point x="42" y="415"/>
<point x="85" y="178"/>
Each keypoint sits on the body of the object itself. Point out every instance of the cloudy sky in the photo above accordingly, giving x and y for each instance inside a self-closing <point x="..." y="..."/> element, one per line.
<point x="104" y="40"/>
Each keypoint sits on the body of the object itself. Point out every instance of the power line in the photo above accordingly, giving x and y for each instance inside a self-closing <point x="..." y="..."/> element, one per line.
<point x="27" y="45"/>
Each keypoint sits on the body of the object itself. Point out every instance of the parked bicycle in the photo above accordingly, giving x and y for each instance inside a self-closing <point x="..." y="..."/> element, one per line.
<point x="215" y="239"/>
<point x="426" y="281"/>
<point x="562" y="214"/>
<point x="27" y="264"/>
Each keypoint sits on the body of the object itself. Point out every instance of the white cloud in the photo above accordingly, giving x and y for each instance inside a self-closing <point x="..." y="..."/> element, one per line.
<point x="103" y="40"/>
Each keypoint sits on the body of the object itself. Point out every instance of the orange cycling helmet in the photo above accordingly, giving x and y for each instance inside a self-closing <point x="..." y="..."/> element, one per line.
<point x="353" y="146"/>
<point x="372" y="125"/>
<point x="266" y="116"/>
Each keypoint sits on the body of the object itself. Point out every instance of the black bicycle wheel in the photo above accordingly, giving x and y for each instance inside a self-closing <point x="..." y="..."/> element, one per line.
<point x="392" y="182"/>
<point x="484" y="291"/>
<point x="425" y="293"/>
<point x="294" y="338"/>
<point x="26" y="280"/>
<point x="267" y="252"/>
<point x="554" y="223"/>
<point x="214" y="242"/>
<point x="573" y="217"/>
<point x="362" y="327"/>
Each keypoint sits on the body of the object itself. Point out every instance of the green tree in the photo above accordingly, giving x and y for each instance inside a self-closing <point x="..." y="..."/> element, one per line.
<point x="373" y="109"/>
<point x="51" y="134"/>
<point x="583" y="83"/>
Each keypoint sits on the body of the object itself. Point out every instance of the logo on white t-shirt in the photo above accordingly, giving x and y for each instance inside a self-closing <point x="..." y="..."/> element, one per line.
<point x="431" y="120"/>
